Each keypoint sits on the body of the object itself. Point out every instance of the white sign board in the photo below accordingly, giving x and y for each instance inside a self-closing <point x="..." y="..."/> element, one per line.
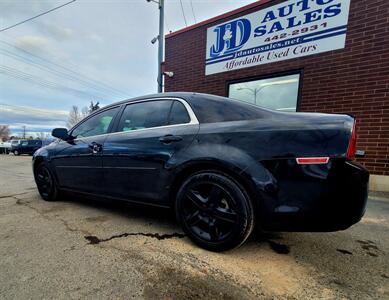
<point x="284" y="31"/>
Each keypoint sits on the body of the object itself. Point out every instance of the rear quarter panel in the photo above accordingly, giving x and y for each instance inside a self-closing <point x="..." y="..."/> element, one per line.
<point x="283" y="137"/>
<point x="289" y="196"/>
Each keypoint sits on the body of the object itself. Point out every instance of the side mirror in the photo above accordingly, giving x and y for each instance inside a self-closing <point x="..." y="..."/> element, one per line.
<point x="61" y="133"/>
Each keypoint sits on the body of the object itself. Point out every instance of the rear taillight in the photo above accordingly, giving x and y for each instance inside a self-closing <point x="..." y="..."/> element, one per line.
<point x="352" y="146"/>
<point x="312" y="160"/>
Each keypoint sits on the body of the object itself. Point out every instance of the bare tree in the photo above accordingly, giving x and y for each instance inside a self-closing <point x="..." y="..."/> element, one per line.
<point x="42" y="136"/>
<point x="75" y="116"/>
<point x="4" y="132"/>
<point x="93" y="107"/>
<point x="84" y="111"/>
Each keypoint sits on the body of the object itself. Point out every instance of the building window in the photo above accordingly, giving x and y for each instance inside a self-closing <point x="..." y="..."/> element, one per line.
<point x="278" y="93"/>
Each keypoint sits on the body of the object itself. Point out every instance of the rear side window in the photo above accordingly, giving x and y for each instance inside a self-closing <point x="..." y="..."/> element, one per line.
<point x="145" y="115"/>
<point x="178" y="114"/>
<point x="220" y="109"/>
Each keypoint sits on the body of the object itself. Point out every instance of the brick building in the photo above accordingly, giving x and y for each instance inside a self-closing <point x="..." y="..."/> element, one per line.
<point x="347" y="70"/>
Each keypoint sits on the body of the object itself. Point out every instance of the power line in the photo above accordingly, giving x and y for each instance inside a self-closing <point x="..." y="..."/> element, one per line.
<point x="43" y="83"/>
<point x="15" y="73"/>
<point x="93" y="81"/>
<point x="27" y="109"/>
<point x="37" y="16"/>
<point x="194" y="16"/>
<point x="183" y="13"/>
<point x="55" y="72"/>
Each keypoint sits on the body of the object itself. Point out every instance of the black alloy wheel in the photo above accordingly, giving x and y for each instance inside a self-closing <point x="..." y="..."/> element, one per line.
<point x="45" y="183"/>
<point x="214" y="211"/>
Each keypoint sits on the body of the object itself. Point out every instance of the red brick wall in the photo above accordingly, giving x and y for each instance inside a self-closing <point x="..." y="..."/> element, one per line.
<point x="353" y="80"/>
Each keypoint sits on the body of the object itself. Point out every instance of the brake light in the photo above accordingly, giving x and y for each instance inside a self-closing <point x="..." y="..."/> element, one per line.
<point x="352" y="146"/>
<point x="312" y="160"/>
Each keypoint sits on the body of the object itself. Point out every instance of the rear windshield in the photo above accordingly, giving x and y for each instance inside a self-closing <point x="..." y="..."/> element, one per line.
<point x="220" y="109"/>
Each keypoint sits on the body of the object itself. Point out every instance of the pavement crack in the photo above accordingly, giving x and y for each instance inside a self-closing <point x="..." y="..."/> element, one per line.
<point x="13" y="195"/>
<point x="43" y="214"/>
<point x="72" y="229"/>
<point x="370" y="248"/>
<point x="93" y="240"/>
<point x="344" y="251"/>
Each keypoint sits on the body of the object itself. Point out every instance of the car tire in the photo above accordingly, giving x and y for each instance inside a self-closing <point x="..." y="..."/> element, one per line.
<point x="16" y="152"/>
<point x="45" y="182"/>
<point x="214" y="211"/>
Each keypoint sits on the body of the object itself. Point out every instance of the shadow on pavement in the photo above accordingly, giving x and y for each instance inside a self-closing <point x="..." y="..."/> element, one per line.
<point x="342" y="261"/>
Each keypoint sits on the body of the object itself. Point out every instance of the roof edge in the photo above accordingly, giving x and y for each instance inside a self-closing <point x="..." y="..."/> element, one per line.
<point x="217" y="18"/>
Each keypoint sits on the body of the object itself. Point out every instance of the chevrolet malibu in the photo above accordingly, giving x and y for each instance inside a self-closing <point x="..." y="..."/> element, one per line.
<point x="223" y="165"/>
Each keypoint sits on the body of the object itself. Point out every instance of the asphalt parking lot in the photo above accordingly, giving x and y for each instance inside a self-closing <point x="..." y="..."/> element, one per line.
<point x="79" y="248"/>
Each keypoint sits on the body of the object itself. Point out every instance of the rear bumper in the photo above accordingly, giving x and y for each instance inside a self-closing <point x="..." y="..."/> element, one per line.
<point x="317" y="198"/>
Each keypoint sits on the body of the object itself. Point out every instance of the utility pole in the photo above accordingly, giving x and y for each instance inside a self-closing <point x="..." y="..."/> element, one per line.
<point x="24" y="131"/>
<point x="161" y="38"/>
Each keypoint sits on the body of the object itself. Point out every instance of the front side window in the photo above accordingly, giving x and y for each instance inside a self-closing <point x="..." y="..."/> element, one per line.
<point x="96" y="125"/>
<point x="277" y="93"/>
<point x="145" y="115"/>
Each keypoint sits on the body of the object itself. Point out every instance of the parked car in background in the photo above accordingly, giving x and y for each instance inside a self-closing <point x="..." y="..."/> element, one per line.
<point x="223" y="165"/>
<point x="25" y="146"/>
<point x="15" y="143"/>
<point x="5" y="147"/>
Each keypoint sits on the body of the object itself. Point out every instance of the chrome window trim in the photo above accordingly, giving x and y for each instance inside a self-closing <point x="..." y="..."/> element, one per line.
<point x="192" y="116"/>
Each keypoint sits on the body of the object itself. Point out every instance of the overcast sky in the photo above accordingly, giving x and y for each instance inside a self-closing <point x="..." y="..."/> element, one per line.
<point x="96" y="50"/>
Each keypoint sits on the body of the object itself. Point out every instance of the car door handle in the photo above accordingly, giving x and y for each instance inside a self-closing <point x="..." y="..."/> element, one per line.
<point x="96" y="148"/>
<point x="169" y="138"/>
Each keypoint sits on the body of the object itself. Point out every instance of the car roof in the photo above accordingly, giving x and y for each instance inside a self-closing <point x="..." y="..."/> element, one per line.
<point x="190" y="97"/>
<point x="206" y="107"/>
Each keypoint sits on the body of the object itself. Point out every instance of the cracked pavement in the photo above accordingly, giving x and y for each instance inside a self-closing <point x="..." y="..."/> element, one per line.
<point x="79" y="248"/>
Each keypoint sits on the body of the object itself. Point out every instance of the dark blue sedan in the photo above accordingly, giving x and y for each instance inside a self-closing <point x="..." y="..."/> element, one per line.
<point x="223" y="165"/>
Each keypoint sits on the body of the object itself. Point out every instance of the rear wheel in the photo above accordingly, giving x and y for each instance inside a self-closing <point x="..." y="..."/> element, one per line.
<point x="16" y="152"/>
<point x="45" y="183"/>
<point x="214" y="211"/>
